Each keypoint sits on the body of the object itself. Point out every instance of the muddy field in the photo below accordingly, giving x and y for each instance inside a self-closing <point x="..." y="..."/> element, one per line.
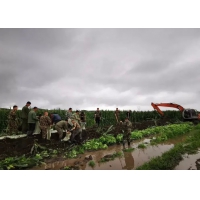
<point x="129" y="160"/>
<point x="17" y="147"/>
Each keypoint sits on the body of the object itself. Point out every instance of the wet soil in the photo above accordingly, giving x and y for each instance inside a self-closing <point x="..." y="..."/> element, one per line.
<point x="20" y="146"/>
<point x="129" y="160"/>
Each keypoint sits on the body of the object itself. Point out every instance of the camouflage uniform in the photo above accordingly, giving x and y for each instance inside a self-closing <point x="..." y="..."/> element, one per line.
<point x="127" y="131"/>
<point x="76" y="118"/>
<point x="76" y="130"/>
<point x="117" y="115"/>
<point x="12" y="123"/>
<point x="45" y="123"/>
<point x="69" y="115"/>
<point x="60" y="126"/>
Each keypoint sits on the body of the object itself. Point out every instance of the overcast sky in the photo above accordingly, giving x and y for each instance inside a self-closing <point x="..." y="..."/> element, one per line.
<point x="105" y="68"/>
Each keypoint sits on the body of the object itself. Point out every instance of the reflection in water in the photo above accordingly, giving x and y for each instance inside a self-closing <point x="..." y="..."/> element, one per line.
<point x="129" y="160"/>
<point x="188" y="162"/>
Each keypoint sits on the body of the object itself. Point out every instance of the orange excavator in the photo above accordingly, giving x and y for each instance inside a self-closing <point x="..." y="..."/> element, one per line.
<point x="187" y="114"/>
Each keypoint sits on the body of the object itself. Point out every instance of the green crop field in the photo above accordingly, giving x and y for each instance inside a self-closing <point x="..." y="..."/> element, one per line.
<point x="108" y="117"/>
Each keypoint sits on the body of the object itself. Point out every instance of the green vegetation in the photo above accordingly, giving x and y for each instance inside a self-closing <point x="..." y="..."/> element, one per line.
<point x="67" y="168"/>
<point x="39" y="153"/>
<point x="70" y="168"/>
<point x="111" y="157"/>
<point x="169" y="160"/>
<point x="172" y="131"/>
<point x="21" y="162"/>
<point x="91" y="163"/>
<point x="142" y="146"/>
<point x="108" y="117"/>
<point x="129" y="149"/>
<point x="168" y="130"/>
<point x="119" y="138"/>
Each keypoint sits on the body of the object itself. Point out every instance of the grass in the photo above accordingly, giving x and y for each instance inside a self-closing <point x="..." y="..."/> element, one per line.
<point x="169" y="160"/>
<point x="129" y="150"/>
<point x="91" y="163"/>
<point x="142" y="146"/>
<point x="111" y="157"/>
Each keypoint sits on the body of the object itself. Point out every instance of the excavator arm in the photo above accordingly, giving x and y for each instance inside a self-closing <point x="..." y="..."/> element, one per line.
<point x="171" y="105"/>
<point x="187" y="114"/>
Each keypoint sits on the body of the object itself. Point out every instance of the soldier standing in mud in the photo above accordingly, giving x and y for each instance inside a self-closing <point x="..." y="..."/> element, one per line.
<point x="97" y="116"/>
<point x="76" y="130"/>
<point x="117" y="115"/>
<point x="45" y="123"/>
<point x="127" y="131"/>
<point x="12" y="123"/>
<point x="24" y="116"/>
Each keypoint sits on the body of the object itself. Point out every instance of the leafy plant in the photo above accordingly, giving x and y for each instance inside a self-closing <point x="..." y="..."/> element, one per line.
<point x="111" y="157"/>
<point x="119" y="138"/>
<point x="91" y="163"/>
<point x="141" y="146"/>
<point x="128" y="149"/>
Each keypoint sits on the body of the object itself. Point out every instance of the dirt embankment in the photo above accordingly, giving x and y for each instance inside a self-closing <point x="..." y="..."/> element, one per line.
<point x="18" y="147"/>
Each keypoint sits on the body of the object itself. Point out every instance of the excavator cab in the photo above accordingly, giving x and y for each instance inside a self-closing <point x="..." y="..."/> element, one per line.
<point x="190" y="114"/>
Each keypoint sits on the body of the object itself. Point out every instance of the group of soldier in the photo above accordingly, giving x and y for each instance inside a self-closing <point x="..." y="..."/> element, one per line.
<point x="74" y="123"/>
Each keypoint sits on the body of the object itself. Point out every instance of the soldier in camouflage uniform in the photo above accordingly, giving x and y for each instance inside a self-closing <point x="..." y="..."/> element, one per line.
<point x="76" y="117"/>
<point x="60" y="126"/>
<point x="12" y="122"/>
<point x="68" y="115"/>
<point x="76" y="130"/>
<point x="117" y="115"/>
<point x="127" y="131"/>
<point x="45" y="123"/>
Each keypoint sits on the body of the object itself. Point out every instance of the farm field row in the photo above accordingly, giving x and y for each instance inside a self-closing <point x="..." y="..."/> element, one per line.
<point x="100" y="146"/>
<point x="108" y="117"/>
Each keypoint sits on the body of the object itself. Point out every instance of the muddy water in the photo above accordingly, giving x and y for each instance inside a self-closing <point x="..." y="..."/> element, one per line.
<point x="130" y="160"/>
<point x="189" y="162"/>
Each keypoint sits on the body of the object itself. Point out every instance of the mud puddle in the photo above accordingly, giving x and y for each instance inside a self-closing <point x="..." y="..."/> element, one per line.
<point x="190" y="162"/>
<point x="129" y="160"/>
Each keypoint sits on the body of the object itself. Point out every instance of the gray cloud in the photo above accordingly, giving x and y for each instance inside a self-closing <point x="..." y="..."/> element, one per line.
<point x="106" y="68"/>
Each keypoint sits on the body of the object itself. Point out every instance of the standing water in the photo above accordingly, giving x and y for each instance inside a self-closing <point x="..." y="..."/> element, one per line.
<point x="129" y="160"/>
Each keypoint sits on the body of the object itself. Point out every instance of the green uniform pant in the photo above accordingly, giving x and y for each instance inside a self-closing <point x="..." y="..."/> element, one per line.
<point x="24" y="125"/>
<point x="60" y="131"/>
